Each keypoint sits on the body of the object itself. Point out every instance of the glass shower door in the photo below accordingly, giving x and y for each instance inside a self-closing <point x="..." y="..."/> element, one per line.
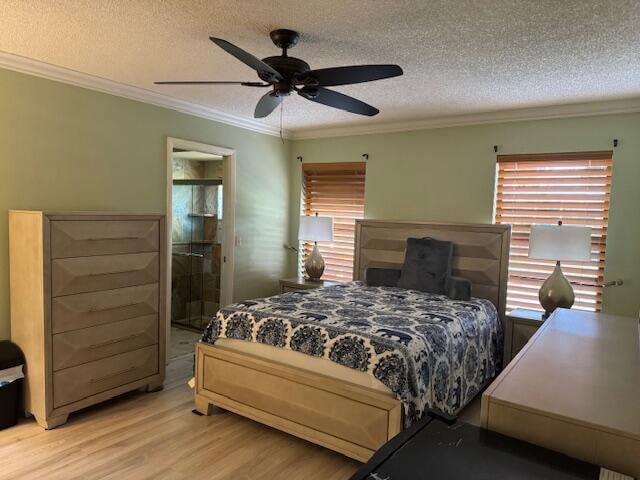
<point x="195" y="253"/>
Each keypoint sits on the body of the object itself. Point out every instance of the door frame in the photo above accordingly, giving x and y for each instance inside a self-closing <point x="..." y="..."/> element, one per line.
<point x="228" y="223"/>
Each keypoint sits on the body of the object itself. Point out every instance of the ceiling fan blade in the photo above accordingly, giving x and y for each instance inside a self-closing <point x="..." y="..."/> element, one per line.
<point x="330" y="77"/>
<point x="267" y="104"/>
<point x="338" y="100"/>
<point x="246" y="58"/>
<point x="206" y="82"/>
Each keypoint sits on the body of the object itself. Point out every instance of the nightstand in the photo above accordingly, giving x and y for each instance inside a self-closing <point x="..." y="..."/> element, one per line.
<point x="520" y="325"/>
<point x="301" y="283"/>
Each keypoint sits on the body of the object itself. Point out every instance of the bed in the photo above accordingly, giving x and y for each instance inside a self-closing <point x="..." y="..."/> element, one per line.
<point x="348" y="367"/>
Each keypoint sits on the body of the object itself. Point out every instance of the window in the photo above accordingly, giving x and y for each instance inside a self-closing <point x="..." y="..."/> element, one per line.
<point x="335" y="190"/>
<point x="545" y="188"/>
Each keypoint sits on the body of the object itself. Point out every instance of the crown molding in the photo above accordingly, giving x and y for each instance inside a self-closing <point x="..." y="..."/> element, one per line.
<point x="610" y="107"/>
<point x="64" y="75"/>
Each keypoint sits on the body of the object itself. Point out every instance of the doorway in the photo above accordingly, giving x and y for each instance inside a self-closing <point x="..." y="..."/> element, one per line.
<point x="201" y="235"/>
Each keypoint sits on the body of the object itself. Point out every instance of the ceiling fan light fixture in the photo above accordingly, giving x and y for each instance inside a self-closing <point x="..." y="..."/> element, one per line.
<point x="309" y="92"/>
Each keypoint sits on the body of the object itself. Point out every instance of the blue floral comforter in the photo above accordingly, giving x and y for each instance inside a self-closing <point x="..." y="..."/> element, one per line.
<point x="430" y="351"/>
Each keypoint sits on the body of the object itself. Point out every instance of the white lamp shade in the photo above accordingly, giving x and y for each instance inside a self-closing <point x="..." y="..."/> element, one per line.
<point x="316" y="229"/>
<point x="560" y="242"/>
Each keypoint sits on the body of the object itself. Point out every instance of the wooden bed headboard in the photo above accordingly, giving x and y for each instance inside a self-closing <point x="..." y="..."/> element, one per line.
<point x="480" y="254"/>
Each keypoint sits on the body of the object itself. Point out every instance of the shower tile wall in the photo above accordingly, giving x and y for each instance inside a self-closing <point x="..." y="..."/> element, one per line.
<point x="191" y="169"/>
<point x="196" y="250"/>
<point x="181" y="222"/>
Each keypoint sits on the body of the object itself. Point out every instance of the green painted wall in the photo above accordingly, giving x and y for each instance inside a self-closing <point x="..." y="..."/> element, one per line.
<point x="69" y="148"/>
<point x="65" y="147"/>
<point x="448" y="175"/>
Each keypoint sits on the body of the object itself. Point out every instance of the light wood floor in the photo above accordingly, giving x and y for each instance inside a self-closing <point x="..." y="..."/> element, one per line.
<point x="181" y="342"/>
<point x="156" y="436"/>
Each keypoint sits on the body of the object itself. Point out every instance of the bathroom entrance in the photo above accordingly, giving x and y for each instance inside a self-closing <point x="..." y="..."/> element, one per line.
<point x="202" y="224"/>
<point x="196" y="237"/>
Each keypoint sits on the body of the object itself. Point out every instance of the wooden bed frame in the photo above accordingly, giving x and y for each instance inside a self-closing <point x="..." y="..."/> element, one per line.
<point x="351" y="419"/>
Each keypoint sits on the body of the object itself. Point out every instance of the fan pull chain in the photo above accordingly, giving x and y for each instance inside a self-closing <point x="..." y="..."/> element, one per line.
<point x="281" y="115"/>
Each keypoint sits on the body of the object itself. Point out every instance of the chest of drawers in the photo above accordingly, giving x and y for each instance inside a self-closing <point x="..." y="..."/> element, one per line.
<point x="87" y="307"/>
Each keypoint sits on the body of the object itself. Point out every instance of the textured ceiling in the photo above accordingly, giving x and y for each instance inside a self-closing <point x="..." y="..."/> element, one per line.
<point x="459" y="57"/>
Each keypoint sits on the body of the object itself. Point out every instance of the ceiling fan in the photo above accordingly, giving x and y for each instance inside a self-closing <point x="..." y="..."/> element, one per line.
<point x="288" y="74"/>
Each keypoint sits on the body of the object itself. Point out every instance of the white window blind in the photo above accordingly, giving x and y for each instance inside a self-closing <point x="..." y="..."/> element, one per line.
<point x="335" y="190"/>
<point x="545" y="188"/>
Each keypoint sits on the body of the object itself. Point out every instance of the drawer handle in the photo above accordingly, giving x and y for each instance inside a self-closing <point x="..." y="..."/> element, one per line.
<point x="96" y="309"/>
<point x="96" y="239"/>
<point x="114" y="340"/>
<point x="111" y="375"/>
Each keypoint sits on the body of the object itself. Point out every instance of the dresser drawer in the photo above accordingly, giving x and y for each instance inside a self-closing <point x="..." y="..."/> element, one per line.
<point x="90" y="274"/>
<point x="94" y="343"/>
<point x="76" y="383"/>
<point x="98" y="308"/>
<point x="81" y="238"/>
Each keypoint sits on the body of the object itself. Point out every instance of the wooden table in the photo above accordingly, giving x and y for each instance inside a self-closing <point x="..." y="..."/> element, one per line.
<point x="574" y="388"/>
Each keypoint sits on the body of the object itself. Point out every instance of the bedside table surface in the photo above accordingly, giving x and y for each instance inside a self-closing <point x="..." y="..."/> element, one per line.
<point x="305" y="282"/>
<point x="524" y="314"/>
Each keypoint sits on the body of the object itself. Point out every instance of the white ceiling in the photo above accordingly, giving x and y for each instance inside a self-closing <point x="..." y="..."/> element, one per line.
<point x="459" y="57"/>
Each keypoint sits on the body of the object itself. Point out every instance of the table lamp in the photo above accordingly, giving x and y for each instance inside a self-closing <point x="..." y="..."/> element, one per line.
<point x="315" y="229"/>
<point x="559" y="242"/>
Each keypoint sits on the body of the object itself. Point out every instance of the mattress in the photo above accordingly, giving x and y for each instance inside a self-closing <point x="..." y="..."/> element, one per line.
<point x="433" y="353"/>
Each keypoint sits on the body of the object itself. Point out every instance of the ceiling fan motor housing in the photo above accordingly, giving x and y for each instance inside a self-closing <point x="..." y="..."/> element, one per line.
<point x="284" y="38"/>
<point x="289" y="68"/>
